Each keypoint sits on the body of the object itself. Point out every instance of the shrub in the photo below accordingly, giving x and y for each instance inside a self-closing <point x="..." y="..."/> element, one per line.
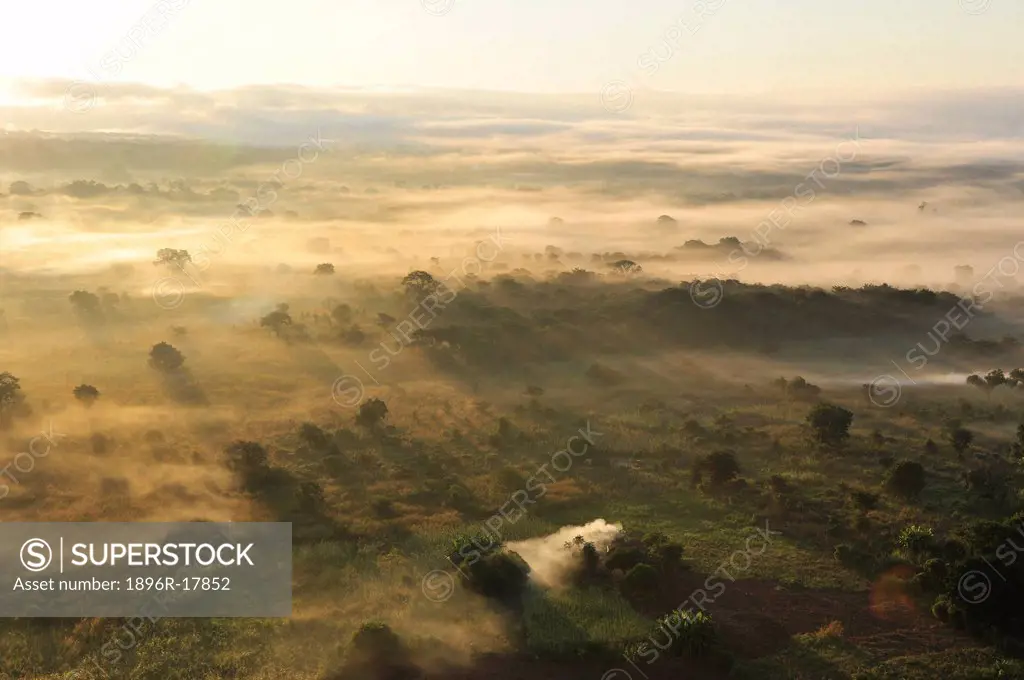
<point x="916" y="539"/>
<point x="376" y="642"/>
<point x="100" y="443"/>
<point x="831" y="630"/>
<point x="249" y="461"/>
<point x="865" y="500"/>
<point x="906" y="478"/>
<point x="372" y="413"/>
<point x="314" y="437"/>
<point x="844" y="554"/>
<point x="940" y="608"/>
<point x="498" y="574"/>
<point x="642" y="579"/>
<point x="510" y="479"/>
<point x="830" y="423"/>
<point x="87" y="394"/>
<point x="694" y="633"/>
<point x="779" y="485"/>
<point x="720" y="466"/>
<point x="624" y="557"/>
<point x="165" y="358"/>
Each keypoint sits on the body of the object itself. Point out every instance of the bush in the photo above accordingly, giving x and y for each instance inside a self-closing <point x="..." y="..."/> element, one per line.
<point x="87" y="394"/>
<point x="624" y="557"/>
<point x="375" y="643"/>
<point x="314" y="437"/>
<point x="100" y="443"/>
<point x="694" y="633"/>
<point x="498" y="574"/>
<point x="940" y="608"/>
<point x="916" y="539"/>
<point x="372" y="413"/>
<point x="249" y="461"/>
<point x="906" y="478"/>
<point x="165" y="358"/>
<point x="829" y="423"/>
<point x="865" y="500"/>
<point x="844" y="554"/>
<point x="642" y="579"/>
<point x="721" y="468"/>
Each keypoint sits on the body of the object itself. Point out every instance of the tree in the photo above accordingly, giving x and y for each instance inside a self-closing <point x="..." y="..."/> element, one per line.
<point x="720" y="467"/>
<point x="10" y="396"/>
<point x="420" y="284"/>
<point x="276" y="321"/>
<point x="87" y="394"/>
<point x="1018" y="446"/>
<point x="798" y="388"/>
<point x="86" y="304"/>
<point x="372" y="413"/>
<point x="627" y="267"/>
<point x="830" y="423"/>
<point x="314" y="437"/>
<point x="172" y="256"/>
<point x="342" y="314"/>
<point x="165" y="358"/>
<point x="906" y="478"/>
<point x="992" y="380"/>
<point x="958" y="436"/>
<point x="324" y="269"/>
<point x="21" y="188"/>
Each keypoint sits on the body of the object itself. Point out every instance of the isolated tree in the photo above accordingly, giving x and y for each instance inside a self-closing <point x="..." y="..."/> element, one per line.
<point x="276" y="321"/>
<point x="165" y="358"/>
<point x="906" y="478"/>
<point x="324" y="268"/>
<point x="342" y="314"/>
<point x="172" y="256"/>
<point x="86" y="304"/>
<point x="830" y="423"/>
<point x="372" y="413"/>
<point x="959" y="437"/>
<point x="666" y="221"/>
<point x="717" y="468"/>
<point x="627" y="267"/>
<point x="87" y="394"/>
<point x="420" y="284"/>
<point x="10" y="396"/>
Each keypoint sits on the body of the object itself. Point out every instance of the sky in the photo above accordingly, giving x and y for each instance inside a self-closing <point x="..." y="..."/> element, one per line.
<point x="699" y="46"/>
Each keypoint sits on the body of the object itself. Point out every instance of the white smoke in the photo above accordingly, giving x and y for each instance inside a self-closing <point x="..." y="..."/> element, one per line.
<point x="550" y="562"/>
